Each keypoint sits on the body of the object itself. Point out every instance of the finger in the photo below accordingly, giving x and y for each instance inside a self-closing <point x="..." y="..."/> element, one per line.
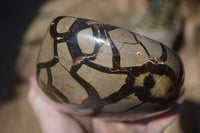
<point x="159" y="123"/>
<point x="34" y="94"/>
<point x="50" y="119"/>
<point x="102" y="126"/>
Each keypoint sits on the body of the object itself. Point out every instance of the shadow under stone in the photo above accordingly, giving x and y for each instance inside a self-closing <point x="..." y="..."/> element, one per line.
<point x="190" y="117"/>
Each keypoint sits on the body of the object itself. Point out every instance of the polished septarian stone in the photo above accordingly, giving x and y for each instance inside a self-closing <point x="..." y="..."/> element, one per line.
<point x="100" y="70"/>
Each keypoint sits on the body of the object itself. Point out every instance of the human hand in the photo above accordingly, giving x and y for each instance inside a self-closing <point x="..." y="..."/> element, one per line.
<point x="54" y="121"/>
